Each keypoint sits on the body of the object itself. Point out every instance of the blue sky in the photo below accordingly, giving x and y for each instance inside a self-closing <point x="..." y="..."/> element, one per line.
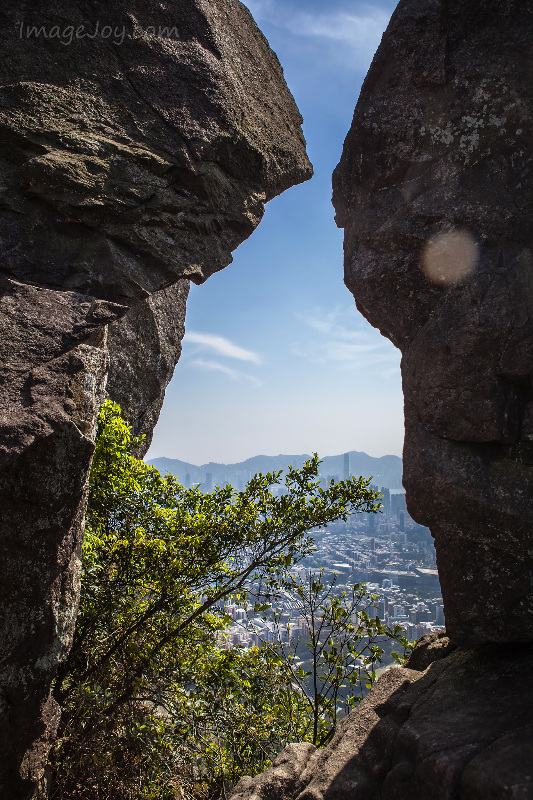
<point x="276" y="358"/>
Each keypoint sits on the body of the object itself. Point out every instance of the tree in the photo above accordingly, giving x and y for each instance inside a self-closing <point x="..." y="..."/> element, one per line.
<point x="157" y="559"/>
<point x="236" y="716"/>
<point x="341" y="646"/>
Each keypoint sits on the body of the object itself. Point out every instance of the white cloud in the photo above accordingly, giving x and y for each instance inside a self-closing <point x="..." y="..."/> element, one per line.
<point x="345" y="338"/>
<point x="393" y="372"/>
<point x="221" y="346"/>
<point x="235" y="374"/>
<point x="362" y="31"/>
<point x="344" y="351"/>
<point x="337" y="323"/>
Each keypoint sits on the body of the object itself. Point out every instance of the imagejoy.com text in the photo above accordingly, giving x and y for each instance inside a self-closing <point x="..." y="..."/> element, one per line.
<point x="114" y="33"/>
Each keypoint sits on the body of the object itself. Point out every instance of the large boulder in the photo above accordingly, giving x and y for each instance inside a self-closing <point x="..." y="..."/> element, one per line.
<point x="434" y="191"/>
<point x="139" y="142"/>
<point x="460" y="730"/>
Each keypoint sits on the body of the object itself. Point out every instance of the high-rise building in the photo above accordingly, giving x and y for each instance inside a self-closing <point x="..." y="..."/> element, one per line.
<point x="386" y="499"/>
<point x="398" y="503"/>
<point x="346" y="466"/>
<point x="188" y="480"/>
<point x="208" y="481"/>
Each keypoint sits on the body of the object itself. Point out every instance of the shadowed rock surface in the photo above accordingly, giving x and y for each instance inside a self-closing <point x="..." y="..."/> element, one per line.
<point x="146" y="345"/>
<point x="435" y="194"/>
<point x="127" y="164"/>
<point x="460" y="730"/>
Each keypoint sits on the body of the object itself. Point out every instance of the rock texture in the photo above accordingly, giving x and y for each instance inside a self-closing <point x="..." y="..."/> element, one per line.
<point x="460" y="730"/>
<point x="146" y="345"/>
<point x="435" y="194"/>
<point x="139" y="142"/>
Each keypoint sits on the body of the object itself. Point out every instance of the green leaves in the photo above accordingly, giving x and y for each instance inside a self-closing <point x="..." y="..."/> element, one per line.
<point x="340" y="652"/>
<point x="147" y="683"/>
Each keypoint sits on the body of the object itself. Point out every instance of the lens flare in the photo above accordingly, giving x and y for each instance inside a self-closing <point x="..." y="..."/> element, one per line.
<point x="449" y="257"/>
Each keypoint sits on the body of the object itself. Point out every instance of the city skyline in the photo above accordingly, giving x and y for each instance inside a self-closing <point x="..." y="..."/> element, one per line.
<point x="385" y="471"/>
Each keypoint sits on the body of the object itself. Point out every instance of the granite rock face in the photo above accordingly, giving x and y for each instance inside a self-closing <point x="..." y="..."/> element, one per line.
<point x="139" y="142"/>
<point x="145" y="346"/>
<point x="460" y="730"/>
<point x="140" y="161"/>
<point x="435" y="194"/>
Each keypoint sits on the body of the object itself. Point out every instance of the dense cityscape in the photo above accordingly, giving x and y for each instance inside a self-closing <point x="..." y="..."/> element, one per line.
<point x="389" y="552"/>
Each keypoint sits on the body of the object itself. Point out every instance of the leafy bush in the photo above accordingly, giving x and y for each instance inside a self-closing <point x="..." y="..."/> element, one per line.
<point x="153" y="705"/>
<point x="341" y="648"/>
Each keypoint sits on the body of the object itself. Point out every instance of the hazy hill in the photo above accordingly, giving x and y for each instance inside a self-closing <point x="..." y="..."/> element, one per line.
<point x="386" y="471"/>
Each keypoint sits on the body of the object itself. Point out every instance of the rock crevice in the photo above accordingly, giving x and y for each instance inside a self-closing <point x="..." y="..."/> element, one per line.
<point x="434" y="191"/>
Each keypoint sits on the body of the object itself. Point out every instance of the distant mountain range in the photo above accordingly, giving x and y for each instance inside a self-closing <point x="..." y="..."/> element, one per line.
<point x="385" y="471"/>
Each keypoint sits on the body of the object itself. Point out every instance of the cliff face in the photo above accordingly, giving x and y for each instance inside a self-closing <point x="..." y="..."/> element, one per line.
<point x="146" y="345"/>
<point x="132" y="159"/>
<point x="435" y="194"/>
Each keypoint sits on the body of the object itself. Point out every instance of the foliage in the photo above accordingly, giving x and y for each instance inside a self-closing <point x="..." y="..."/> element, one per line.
<point x="239" y="713"/>
<point x="343" y="635"/>
<point x="157" y="560"/>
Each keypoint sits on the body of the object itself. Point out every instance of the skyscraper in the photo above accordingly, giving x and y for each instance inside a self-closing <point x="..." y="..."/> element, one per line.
<point x="386" y="499"/>
<point x="346" y="465"/>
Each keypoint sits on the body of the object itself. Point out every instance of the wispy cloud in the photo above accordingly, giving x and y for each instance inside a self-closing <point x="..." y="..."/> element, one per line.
<point x="392" y="372"/>
<point x="234" y="374"/>
<point x="341" y="338"/>
<point x="221" y="346"/>
<point x="361" y="30"/>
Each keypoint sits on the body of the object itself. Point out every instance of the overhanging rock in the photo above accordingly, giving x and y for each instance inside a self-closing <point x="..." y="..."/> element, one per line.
<point x="139" y="143"/>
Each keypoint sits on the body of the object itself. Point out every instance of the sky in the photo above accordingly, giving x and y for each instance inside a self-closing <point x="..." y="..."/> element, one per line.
<point x="276" y="358"/>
